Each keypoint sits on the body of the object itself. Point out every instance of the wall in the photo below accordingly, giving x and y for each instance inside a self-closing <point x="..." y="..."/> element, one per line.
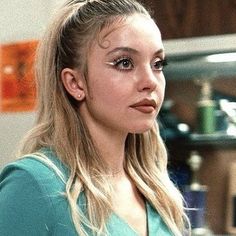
<point x="20" y="20"/>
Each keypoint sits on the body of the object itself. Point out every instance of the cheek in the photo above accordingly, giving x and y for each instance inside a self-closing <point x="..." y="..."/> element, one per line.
<point x="161" y="91"/>
<point x="107" y="85"/>
<point x="105" y="92"/>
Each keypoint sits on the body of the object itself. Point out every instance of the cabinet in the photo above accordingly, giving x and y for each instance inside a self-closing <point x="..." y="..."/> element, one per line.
<point x="191" y="18"/>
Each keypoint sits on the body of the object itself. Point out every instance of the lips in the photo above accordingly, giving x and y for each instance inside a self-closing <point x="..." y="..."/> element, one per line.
<point x="145" y="105"/>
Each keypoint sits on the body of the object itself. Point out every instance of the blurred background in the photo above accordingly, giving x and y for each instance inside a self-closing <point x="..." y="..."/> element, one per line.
<point x="198" y="118"/>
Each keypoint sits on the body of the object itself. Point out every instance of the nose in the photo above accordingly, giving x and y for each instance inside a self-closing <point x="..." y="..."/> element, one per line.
<point x="148" y="79"/>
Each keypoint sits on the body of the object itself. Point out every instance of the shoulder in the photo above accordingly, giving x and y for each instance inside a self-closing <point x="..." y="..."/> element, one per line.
<point x="33" y="171"/>
<point x="31" y="197"/>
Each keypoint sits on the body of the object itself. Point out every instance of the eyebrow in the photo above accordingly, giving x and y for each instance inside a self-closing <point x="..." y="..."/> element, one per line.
<point x="132" y="50"/>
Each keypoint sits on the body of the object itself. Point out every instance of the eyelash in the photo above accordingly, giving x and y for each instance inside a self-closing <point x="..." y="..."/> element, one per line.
<point x="161" y="64"/>
<point x="118" y="64"/>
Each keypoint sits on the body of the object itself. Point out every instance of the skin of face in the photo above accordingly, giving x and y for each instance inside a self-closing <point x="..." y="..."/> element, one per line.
<point x="124" y="69"/>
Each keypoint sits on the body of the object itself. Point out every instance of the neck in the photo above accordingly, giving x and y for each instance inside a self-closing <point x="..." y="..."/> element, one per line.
<point x="112" y="151"/>
<point x="111" y="146"/>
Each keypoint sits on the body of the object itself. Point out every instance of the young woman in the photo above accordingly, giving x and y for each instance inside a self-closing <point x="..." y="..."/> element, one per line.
<point x="94" y="164"/>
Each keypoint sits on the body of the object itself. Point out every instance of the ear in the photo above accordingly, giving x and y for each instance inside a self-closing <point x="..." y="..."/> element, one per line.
<point x="74" y="83"/>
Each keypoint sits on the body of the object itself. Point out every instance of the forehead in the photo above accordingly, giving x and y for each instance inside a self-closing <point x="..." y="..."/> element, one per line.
<point x="137" y="31"/>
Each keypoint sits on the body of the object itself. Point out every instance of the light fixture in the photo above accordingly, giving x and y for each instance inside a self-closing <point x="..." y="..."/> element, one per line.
<point x="221" y="57"/>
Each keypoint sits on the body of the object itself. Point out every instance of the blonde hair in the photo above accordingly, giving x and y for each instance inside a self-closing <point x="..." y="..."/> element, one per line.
<point x="60" y="127"/>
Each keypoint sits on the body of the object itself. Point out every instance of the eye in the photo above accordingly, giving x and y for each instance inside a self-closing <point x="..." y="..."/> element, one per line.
<point x="123" y="64"/>
<point x="158" y="65"/>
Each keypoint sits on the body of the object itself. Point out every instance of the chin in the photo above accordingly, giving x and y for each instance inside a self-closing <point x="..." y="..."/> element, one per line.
<point x="141" y="129"/>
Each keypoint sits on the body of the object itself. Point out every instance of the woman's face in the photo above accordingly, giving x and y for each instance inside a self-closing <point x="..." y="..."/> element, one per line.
<point x="125" y="84"/>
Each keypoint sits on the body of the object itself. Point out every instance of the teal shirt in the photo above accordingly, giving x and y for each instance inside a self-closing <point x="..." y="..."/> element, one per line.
<point x="32" y="204"/>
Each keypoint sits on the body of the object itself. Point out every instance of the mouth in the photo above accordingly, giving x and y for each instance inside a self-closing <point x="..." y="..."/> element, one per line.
<point x="145" y="105"/>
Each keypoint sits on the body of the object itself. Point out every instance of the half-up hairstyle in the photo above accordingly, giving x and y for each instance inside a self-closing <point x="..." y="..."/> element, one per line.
<point x="58" y="126"/>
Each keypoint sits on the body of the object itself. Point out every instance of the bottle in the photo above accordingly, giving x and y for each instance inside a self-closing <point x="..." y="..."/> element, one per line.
<point x="206" y="120"/>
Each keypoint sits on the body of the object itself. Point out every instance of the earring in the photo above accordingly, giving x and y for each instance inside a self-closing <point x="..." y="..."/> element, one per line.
<point x="79" y="96"/>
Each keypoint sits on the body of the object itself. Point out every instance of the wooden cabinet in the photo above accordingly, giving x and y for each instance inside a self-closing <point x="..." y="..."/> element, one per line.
<point x="190" y="18"/>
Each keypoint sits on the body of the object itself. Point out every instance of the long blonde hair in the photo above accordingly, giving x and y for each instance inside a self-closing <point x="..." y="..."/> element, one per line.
<point x="60" y="127"/>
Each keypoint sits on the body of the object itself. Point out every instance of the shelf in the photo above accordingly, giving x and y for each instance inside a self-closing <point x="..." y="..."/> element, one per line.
<point x="214" y="140"/>
<point x="199" y="141"/>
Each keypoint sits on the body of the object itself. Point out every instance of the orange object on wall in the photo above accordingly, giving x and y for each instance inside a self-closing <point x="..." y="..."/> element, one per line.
<point x="17" y="84"/>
